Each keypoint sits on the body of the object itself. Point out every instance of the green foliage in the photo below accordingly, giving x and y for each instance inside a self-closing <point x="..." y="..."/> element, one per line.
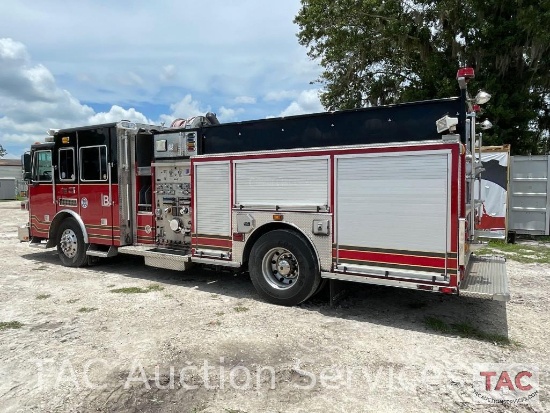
<point x="138" y="290"/>
<point x="2" y="151"/>
<point x="4" y="325"/>
<point x="376" y="53"/>
<point x="524" y="253"/>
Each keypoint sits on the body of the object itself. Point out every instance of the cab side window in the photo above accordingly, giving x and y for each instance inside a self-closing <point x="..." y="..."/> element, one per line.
<point x="42" y="166"/>
<point x="93" y="163"/>
<point x="66" y="164"/>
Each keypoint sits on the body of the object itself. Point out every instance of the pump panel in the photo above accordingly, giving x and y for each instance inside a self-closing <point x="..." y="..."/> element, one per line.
<point x="173" y="204"/>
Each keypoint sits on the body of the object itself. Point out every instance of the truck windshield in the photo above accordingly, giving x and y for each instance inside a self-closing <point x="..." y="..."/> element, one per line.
<point x="42" y="166"/>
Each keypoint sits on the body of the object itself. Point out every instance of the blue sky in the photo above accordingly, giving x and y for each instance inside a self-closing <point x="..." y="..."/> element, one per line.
<point x="66" y="64"/>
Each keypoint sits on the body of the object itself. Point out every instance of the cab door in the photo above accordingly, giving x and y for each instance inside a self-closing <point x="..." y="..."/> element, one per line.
<point x="41" y="190"/>
<point x="96" y="196"/>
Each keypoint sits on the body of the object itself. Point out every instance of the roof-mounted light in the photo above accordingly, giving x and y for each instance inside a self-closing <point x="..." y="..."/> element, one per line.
<point x="52" y="132"/>
<point x="126" y="124"/>
<point x="446" y="123"/>
<point x="464" y="75"/>
<point x="466" y="72"/>
<point x="486" y="124"/>
<point x="482" y="97"/>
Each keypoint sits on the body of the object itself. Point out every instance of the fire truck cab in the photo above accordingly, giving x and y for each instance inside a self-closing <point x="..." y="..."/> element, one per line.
<point x="380" y="195"/>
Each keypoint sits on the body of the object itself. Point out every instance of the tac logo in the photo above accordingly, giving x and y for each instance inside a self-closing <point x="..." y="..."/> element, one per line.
<point x="84" y="202"/>
<point x="505" y="384"/>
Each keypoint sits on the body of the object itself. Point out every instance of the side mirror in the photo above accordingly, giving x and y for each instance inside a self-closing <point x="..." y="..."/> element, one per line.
<point x="26" y="165"/>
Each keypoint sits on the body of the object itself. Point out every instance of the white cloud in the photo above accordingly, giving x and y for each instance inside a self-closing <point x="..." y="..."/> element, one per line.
<point x="276" y="96"/>
<point x="169" y="72"/>
<point x="245" y="100"/>
<point x="79" y="70"/>
<point x="187" y="107"/>
<point x="31" y="101"/>
<point x="228" y="114"/>
<point x="117" y="113"/>
<point x="306" y="102"/>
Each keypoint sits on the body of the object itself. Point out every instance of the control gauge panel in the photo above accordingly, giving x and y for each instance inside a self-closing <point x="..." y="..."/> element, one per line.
<point x="173" y="204"/>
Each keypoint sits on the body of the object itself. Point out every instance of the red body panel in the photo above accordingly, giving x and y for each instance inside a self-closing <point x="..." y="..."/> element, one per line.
<point x="396" y="260"/>
<point x="146" y="228"/>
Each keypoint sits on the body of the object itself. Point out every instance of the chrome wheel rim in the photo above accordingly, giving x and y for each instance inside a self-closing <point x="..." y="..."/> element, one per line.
<point x="280" y="268"/>
<point x="68" y="243"/>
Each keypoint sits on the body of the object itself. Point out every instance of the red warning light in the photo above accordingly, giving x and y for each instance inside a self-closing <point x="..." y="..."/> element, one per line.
<point x="466" y="73"/>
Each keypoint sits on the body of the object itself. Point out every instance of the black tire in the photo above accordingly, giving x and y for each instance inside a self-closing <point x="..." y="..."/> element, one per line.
<point x="283" y="268"/>
<point x="70" y="244"/>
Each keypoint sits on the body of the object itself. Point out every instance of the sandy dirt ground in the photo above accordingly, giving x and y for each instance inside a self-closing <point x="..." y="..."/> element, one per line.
<point x="202" y="341"/>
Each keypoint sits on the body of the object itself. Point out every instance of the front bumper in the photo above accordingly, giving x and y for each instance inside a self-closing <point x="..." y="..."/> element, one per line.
<point x="23" y="232"/>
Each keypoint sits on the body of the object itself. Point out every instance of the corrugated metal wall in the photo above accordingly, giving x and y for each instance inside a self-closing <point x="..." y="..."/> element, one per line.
<point x="7" y="188"/>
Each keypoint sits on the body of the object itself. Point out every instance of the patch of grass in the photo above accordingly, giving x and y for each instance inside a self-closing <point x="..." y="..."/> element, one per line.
<point x="4" y="325"/>
<point x="41" y="268"/>
<point x="138" y="290"/>
<point x="169" y="295"/>
<point x="234" y="411"/>
<point x="220" y="313"/>
<point x="466" y="330"/>
<point x="240" y="309"/>
<point x="73" y="300"/>
<point x="110" y="286"/>
<point x="215" y="323"/>
<point x="437" y="324"/>
<point x="155" y="287"/>
<point x="86" y="309"/>
<point x="523" y="253"/>
<point x="43" y="296"/>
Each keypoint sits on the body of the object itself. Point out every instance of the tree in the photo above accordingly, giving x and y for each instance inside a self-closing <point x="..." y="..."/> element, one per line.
<point x="2" y="151"/>
<point x="381" y="52"/>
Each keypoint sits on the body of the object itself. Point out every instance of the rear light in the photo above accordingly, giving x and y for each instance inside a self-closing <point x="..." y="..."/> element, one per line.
<point x="447" y="290"/>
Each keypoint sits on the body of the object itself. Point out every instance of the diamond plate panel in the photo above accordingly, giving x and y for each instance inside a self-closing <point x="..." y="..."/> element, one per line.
<point x="168" y="263"/>
<point x="486" y="278"/>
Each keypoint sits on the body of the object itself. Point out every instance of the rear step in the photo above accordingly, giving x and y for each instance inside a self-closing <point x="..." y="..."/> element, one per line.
<point x="95" y="251"/>
<point x="486" y="278"/>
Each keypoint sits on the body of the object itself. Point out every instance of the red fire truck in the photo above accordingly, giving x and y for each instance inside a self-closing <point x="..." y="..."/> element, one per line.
<point x="380" y="195"/>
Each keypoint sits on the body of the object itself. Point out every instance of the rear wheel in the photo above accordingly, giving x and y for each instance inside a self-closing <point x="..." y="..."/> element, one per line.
<point x="70" y="244"/>
<point x="284" y="268"/>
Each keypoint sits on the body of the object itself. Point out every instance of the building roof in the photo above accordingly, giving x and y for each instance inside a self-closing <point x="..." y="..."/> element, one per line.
<point x="10" y="162"/>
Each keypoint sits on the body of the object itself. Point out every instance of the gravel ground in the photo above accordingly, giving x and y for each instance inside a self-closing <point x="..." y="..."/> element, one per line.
<point x="202" y="341"/>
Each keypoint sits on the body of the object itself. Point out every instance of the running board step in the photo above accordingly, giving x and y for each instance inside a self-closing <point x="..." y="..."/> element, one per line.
<point x="486" y="278"/>
<point x="94" y="252"/>
<point x="37" y="243"/>
<point x="160" y="258"/>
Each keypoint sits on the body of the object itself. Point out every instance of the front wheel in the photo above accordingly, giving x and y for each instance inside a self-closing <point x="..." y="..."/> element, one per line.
<point x="284" y="268"/>
<point x="70" y="244"/>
